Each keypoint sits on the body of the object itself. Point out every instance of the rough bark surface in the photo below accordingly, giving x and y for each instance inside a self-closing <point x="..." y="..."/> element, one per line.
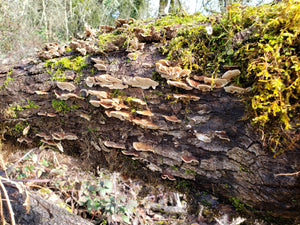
<point x="229" y="160"/>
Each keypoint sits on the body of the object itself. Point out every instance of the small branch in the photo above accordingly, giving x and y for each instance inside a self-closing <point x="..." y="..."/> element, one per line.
<point x="287" y="174"/>
<point x="11" y="212"/>
<point x="32" y="180"/>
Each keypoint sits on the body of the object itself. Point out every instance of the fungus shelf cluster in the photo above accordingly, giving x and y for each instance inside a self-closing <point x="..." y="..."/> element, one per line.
<point x="97" y="89"/>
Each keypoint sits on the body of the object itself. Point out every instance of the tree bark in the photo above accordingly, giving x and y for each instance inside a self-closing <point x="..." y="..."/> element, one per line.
<point x="229" y="160"/>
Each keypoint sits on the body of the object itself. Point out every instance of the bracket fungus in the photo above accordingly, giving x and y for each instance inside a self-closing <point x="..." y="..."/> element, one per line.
<point x="203" y="137"/>
<point x="172" y="118"/>
<point x="234" y="89"/>
<point x="144" y="83"/>
<point x="100" y="67"/>
<point x="166" y="174"/>
<point x="186" y="97"/>
<point x="230" y="74"/>
<point x="138" y="101"/>
<point x="112" y="103"/>
<point x="24" y="139"/>
<point x="188" y="158"/>
<point x="133" y="55"/>
<point x="95" y="103"/>
<point x="41" y="92"/>
<point x="98" y="94"/>
<point x="44" y="135"/>
<point x="67" y="96"/>
<point x="51" y="50"/>
<point x="171" y="73"/>
<point x="145" y="123"/>
<point x="140" y="146"/>
<point x="131" y="153"/>
<point x="98" y="61"/>
<point x="180" y="84"/>
<point x="107" y="28"/>
<point x="64" y="136"/>
<point x="66" y="86"/>
<point x="147" y="65"/>
<point x="145" y="112"/>
<point x="121" y="115"/>
<point x="216" y="82"/>
<point x="198" y="85"/>
<point x="85" y="116"/>
<point x="222" y="135"/>
<point x="51" y="115"/>
<point x="111" y="144"/>
<point x="109" y="81"/>
<point x="90" y="81"/>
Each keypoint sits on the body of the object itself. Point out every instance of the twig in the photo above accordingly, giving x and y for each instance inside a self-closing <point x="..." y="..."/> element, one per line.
<point x="1" y="210"/>
<point x="287" y="174"/>
<point x="11" y="212"/>
<point x="32" y="180"/>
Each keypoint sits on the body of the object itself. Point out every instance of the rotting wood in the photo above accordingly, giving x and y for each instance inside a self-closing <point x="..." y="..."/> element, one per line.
<point x="234" y="166"/>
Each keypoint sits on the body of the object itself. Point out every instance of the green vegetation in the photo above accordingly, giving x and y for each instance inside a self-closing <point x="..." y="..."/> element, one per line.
<point x="59" y="66"/>
<point x="22" y="105"/>
<point x="61" y="106"/>
<point x="19" y="127"/>
<point x="239" y="206"/>
<point x="8" y="80"/>
<point x="100" y="197"/>
<point x="264" y="42"/>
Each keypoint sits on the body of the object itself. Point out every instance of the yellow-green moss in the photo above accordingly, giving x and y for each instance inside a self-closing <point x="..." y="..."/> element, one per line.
<point x="264" y="42"/>
<point x="60" y="66"/>
<point x="62" y="106"/>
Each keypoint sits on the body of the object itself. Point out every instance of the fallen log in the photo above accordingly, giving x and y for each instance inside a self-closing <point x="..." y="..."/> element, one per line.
<point x="118" y="108"/>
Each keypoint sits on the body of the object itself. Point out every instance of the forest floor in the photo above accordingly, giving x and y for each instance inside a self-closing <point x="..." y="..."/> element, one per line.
<point x="105" y="197"/>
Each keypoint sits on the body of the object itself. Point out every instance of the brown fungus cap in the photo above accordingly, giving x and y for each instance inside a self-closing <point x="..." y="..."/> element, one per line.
<point x="144" y="83"/>
<point x="111" y="144"/>
<point x="189" y="159"/>
<point x="145" y="112"/>
<point x="217" y="82"/>
<point x="140" y="146"/>
<point x="100" y="67"/>
<point x="95" y="103"/>
<point x="145" y="123"/>
<point x="98" y="94"/>
<point x="180" y="84"/>
<point x="131" y="152"/>
<point x="186" y="97"/>
<point x="230" y="74"/>
<point x="172" y="118"/>
<point x="69" y="86"/>
<point x="235" y="89"/>
<point x="222" y="135"/>
<point x="121" y="115"/>
<point x="167" y="175"/>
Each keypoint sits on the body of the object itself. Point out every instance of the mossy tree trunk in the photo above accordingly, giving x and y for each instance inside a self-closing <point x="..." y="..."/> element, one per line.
<point x="227" y="155"/>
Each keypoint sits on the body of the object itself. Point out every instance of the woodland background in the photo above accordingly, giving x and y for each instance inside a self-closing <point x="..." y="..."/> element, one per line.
<point x="26" y="24"/>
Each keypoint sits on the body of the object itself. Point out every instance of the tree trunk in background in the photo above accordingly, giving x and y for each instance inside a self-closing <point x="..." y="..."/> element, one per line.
<point x="228" y="157"/>
<point x="162" y="7"/>
<point x="175" y="5"/>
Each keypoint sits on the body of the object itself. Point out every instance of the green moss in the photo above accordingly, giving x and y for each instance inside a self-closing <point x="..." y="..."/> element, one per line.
<point x="7" y="80"/>
<point x="61" y="106"/>
<point x="19" y="127"/>
<point x="57" y="68"/>
<point x="20" y="106"/>
<point x="264" y="42"/>
<point x="238" y="205"/>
